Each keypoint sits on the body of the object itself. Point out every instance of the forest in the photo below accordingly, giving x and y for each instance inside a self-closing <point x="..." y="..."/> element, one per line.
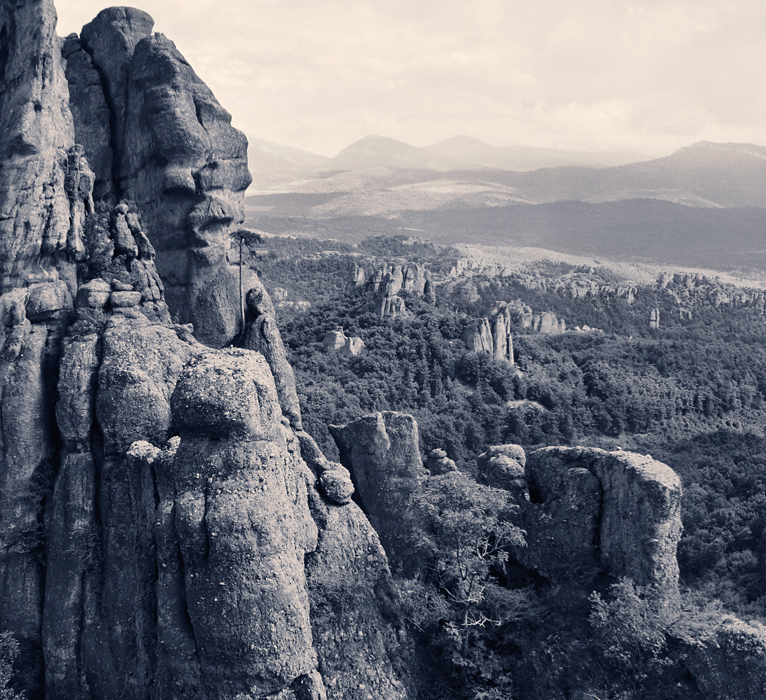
<point x="691" y="393"/>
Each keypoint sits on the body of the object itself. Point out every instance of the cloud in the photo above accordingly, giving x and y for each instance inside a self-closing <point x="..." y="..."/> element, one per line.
<point x="650" y="75"/>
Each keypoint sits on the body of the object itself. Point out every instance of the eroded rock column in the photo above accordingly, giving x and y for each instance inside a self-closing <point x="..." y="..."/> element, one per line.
<point x="242" y="526"/>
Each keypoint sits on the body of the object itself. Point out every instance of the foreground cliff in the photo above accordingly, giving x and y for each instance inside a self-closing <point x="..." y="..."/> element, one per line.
<point x="161" y="533"/>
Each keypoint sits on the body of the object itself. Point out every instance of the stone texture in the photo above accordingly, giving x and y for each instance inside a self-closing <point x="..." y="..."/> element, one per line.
<point x="90" y="114"/>
<point x="186" y="168"/>
<point x="383" y="455"/>
<point x="363" y="650"/>
<point x="336" y="484"/>
<point x="36" y="134"/>
<point x="239" y="527"/>
<point x="730" y="663"/>
<point x="334" y="340"/>
<point x="438" y="463"/>
<point x="262" y="335"/>
<point x="110" y="40"/>
<point x="115" y="383"/>
<point x="592" y="509"/>
<point x="496" y="468"/>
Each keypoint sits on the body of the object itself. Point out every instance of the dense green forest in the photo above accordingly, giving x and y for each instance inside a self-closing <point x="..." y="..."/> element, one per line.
<point x="692" y="393"/>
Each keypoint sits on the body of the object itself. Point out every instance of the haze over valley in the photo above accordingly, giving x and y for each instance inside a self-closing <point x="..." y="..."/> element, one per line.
<point x="702" y="206"/>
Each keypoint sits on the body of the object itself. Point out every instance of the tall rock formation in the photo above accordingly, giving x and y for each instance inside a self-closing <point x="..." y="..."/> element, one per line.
<point x="492" y="336"/>
<point x="170" y="148"/>
<point x="382" y="453"/>
<point x="387" y="283"/>
<point x="42" y="207"/>
<point x="592" y="511"/>
<point x="161" y="534"/>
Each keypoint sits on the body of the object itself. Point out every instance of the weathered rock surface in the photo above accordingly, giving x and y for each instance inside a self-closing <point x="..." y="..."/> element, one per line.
<point x="730" y="663"/>
<point x="115" y="383"/>
<point x="492" y="335"/>
<point x="113" y="552"/>
<point x="36" y="135"/>
<point x="242" y="526"/>
<point x="262" y="334"/>
<point x="502" y="467"/>
<point x="171" y="150"/>
<point x="186" y="168"/>
<point x="382" y="453"/>
<point x="614" y="511"/>
<point x="387" y="283"/>
<point x="337" y="341"/>
<point x="41" y="215"/>
<point x="363" y="651"/>
<point x="438" y="463"/>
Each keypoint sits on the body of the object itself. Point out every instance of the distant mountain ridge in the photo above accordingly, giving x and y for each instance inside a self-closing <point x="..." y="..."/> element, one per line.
<point x="269" y="159"/>
<point x="524" y="158"/>
<point x="704" y="205"/>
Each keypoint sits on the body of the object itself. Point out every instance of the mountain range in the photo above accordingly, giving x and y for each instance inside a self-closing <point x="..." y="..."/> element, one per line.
<point x="713" y="198"/>
<point x="459" y="153"/>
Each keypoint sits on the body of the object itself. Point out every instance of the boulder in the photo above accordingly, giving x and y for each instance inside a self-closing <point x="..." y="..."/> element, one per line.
<point x="500" y="471"/>
<point x="438" y="463"/>
<point x="336" y="484"/>
<point x="729" y="663"/>
<point x="334" y="340"/>
<point x="352" y="347"/>
<point x="94" y="294"/>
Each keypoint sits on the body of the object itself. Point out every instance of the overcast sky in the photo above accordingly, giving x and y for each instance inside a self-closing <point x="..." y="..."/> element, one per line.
<point x="650" y="75"/>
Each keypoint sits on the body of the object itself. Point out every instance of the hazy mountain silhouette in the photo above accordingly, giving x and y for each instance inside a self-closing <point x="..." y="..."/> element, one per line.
<point x="524" y="158"/>
<point x="383" y="152"/>
<point x="267" y="157"/>
<point x="703" y="205"/>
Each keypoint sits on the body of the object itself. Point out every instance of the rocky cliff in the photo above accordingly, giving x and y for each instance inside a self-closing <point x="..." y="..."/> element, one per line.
<point x="155" y="135"/>
<point x="166" y="528"/>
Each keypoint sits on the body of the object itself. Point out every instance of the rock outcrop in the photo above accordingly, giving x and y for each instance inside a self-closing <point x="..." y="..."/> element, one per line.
<point x="492" y="336"/>
<point x="262" y="334"/>
<point x="382" y="453"/>
<point x="156" y="513"/>
<point x="592" y="511"/>
<point x="729" y="663"/>
<point x="170" y="148"/>
<point x="438" y="463"/>
<point x="387" y="283"/>
<point x="338" y="341"/>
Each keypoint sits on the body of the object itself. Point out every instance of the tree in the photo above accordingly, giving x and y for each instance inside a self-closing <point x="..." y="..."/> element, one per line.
<point x="9" y="650"/>
<point x="467" y="529"/>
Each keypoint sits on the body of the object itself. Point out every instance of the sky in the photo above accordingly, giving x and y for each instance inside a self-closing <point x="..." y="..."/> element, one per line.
<point x="649" y="76"/>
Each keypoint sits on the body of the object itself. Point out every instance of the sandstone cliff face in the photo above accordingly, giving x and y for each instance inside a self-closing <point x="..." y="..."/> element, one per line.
<point x="592" y="510"/>
<point x="382" y="453"/>
<point x="156" y="511"/>
<point x="42" y="206"/>
<point x="169" y="147"/>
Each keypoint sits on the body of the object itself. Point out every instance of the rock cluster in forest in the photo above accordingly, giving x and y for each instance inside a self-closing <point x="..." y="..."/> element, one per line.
<point x="387" y="283"/>
<point x="338" y="341"/>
